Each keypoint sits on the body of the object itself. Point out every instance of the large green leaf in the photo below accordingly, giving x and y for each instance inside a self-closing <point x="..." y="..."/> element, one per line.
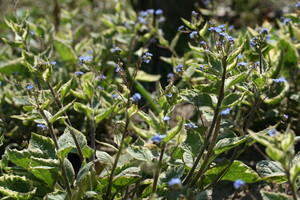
<point x="64" y="50"/>
<point x="197" y="98"/>
<point x="274" y="196"/>
<point x="228" y="143"/>
<point x="173" y="132"/>
<point x="271" y="171"/>
<point x="140" y="153"/>
<point x="16" y="187"/>
<point x="58" y="195"/>
<point x="41" y="145"/>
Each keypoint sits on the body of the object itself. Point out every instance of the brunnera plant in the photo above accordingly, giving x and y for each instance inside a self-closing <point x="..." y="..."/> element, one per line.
<point x="65" y="87"/>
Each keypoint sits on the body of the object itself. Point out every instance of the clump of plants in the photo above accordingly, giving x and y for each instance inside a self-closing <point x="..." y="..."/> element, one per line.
<point x="78" y="122"/>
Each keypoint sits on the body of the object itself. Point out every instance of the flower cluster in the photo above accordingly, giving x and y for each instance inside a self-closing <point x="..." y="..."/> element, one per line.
<point x="136" y="97"/>
<point x="157" y="138"/>
<point x="190" y="125"/>
<point x="147" y="57"/>
<point x="144" y="16"/>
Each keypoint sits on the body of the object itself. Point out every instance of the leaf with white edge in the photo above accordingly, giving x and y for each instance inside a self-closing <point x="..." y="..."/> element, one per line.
<point x="58" y="195"/>
<point x="237" y="170"/>
<point x="19" y="158"/>
<point x="188" y="24"/>
<point x="16" y="187"/>
<point x="140" y="153"/>
<point x="79" y="107"/>
<point x="103" y="114"/>
<point x="127" y="177"/>
<point x="60" y="112"/>
<point x="173" y="132"/>
<point x="228" y="143"/>
<point x="232" y="99"/>
<point x="69" y="171"/>
<point x="271" y="171"/>
<point x="141" y="132"/>
<point x="196" y="98"/>
<point x="143" y="76"/>
<point x="233" y="80"/>
<point x="46" y="174"/>
<point x="64" y="50"/>
<point x="43" y="145"/>
<point x="274" y="196"/>
<point x="65" y="89"/>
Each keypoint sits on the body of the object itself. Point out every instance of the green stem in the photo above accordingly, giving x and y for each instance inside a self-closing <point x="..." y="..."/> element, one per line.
<point x="59" y="104"/>
<point x="213" y="124"/>
<point x="162" y="151"/>
<point x="294" y="193"/>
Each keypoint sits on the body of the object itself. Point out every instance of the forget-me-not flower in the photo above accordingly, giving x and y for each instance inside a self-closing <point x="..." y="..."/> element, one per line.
<point x="279" y="80"/>
<point x="225" y="111"/>
<point x="238" y="183"/>
<point x="174" y="181"/>
<point x="136" y="97"/>
<point x="157" y="138"/>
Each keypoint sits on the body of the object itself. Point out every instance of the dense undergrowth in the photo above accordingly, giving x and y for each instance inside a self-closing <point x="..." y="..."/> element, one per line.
<point x="78" y="122"/>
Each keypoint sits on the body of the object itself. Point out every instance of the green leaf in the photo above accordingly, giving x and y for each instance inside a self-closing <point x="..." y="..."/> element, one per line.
<point x="46" y="174"/>
<point x="204" y="29"/>
<point x="64" y="50"/>
<point x="194" y="141"/>
<point x="58" y="195"/>
<point x="60" y="112"/>
<point x="127" y="177"/>
<point x="274" y="196"/>
<point x="141" y="132"/>
<point x="237" y="170"/>
<point x="173" y="132"/>
<point x="43" y="145"/>
<point x="104" y="114"/>
<point x="16" y="187"/>
<point x="188" y="24"/>
<point x="232" y="99"/>
<point x="228" y="143"/>
<point x="233" y="80"/>
<point x="143" y="76"/>
<point x="79" y="107"/>
<point x="19" y="158"/>
<point x="64" y="90"/>
<point x="10" y="66"/>
<point x="69" y="171"/>
<point x="140" y="153"/>
<point x="271" y="171"/>
<point x="197" y="98"/>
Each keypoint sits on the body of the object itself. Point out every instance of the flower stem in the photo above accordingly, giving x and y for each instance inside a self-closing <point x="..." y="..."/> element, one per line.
<point x="156" y="176"/>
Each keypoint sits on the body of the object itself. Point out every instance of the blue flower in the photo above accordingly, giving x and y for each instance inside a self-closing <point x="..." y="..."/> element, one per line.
<point x="101" y="77"/>
<point x="170" y="76"/>
<point x="159" y="12"/>
<point x="230" y="38"/>
<point x="78" y="73"/>
<point x="178" y="68"/>
<point x="174" y="181"/>
<point x="297" y="4"/>
<point x="90" y="52"/>
<point x="285" y="116"/>
<point x="147" y="57"/>
<point x="264" y="31"/>
<point x="157" y="138"/>
<point x="42" y="126"/>
<point x="180" y="28"/>
<point x="194" y="13"/>
<point x="285" y="21"/>
<point x="169" y="95"/>
<point x="166" y="118"/>
<point x="203" y="43"/>
<point x="136" y="97"/>
<point x="240" y="56"/>
<point x="272" y="132"/>
<point x="253" y="42"/>
<point x="242" y="64"/>
<point x="223" y="34"/>
<point x="32" y="33"/>
<point x="190" y="125"/>
<point x="85" y="58"/>
<point x="115" y="96"/>
<point x="29" y="87"/>
<point x="279" y="80"/>
<point x="225" y="111"/>
<point x="192" y="34"/>
<point x="115" y="49"/>
<point x="53" y="63"/>
<point x="238" y="183"/>
<point x="201" y="67"/>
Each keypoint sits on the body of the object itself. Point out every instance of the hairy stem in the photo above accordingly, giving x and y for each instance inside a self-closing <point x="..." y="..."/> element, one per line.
<point x="162" y="151"/>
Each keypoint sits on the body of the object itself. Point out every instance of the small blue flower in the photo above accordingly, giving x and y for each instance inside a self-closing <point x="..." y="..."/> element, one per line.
<point x="272" y="132"/>
<point x="42" y="126"/>
<point x="157" y="138"/>
<point x="136" y="97"/>
<point x="285" y="116"/>
<point x="230" y="38"/>
<point x="238" y="183"/>
<point x="85" y="58"/>
<point x="53" y="63"/>
<point x="285" y="21"/>
<point x="230" y="27"/>
<point x="279" y="80"/>
<point x="242" y="64"/>
<point x="145" y="13"/>
<point x="190" y="125"/>
<point x="264" y="31"/>
<point x="253" y="42"/>
<point x="147" y="57"/>
<point x="90" y="52"/>
<point x="32" y="33"/>
<point x="193" y="34"/>
<point x="240" y="56"/>
<point x="78" y="73"/>
<point x="201" y="67"/>
<point x="268" y="38"/>
<point x="225" y="111"/>
<point x="142" y="20"/>
<point x="29" y="87"/>
<point x="115" y="96"/>
<point x="223" y="34"/>
<point x="174" y="181"/>
<point x="297" y="4"/>
<point x="178" y="68"/>
<point x="203" y="43"/>
<point x="170" y="76"/>
<point x="169" y="95"/>
<point x="159" y="12"/>
<point x="166" y="118"/>
<point x="101" y="77"/>
<point x="180" y="28"/>
<point x="194" y="13"/>
<point x="115" y="49"/>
